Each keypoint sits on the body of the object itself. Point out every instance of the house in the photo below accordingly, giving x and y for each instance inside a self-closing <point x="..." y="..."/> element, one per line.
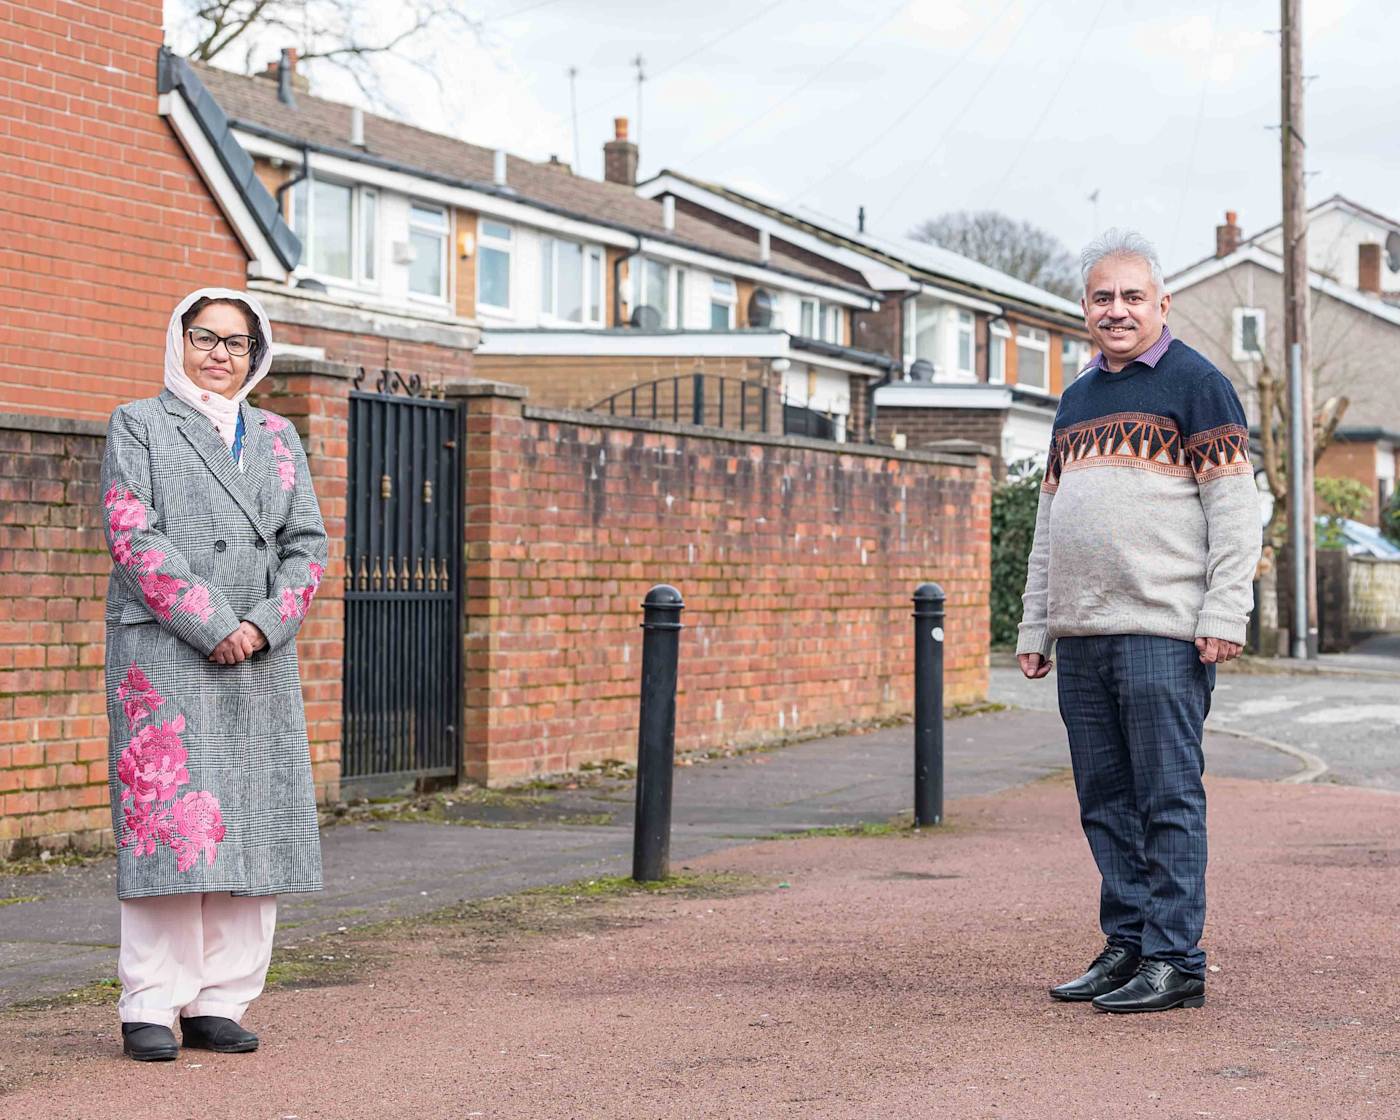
<point x="457" y="261"/>
<point x="1230" y="306"/>
<point x="978" y="354"/>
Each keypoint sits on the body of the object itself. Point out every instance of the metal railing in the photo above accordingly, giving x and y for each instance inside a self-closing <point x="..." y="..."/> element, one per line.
<point x="711" y="401"/>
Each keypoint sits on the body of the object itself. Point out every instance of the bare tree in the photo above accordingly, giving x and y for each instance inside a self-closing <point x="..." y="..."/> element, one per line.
<point x="348" y="34"/>
<point x="1019" y="249"/>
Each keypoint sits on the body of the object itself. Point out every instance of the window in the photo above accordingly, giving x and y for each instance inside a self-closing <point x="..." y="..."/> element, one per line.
<point x="654" y="278"/>
<point x="336" y="223"/>
<point x="571" y="281"/>
<point x="427" y="234"/>
<point x="1247" y="335"/>
<point x="1074" y="356"/>
<point x="966" y="348"/>
<point x="831" y="323"/>
<point x="808" y="326"/>
<point x="679" y="302"/>
<point x="723" y="300"/>
<point x="1032" y="358"/>
<point x="998" y="335"/>
<point x="493" y="266"/>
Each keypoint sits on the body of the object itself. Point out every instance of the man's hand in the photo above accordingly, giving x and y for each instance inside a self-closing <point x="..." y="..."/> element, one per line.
<point x="1034" y="666"/>
<point x="239" y="646"/>
<point x="1216" y="651"/>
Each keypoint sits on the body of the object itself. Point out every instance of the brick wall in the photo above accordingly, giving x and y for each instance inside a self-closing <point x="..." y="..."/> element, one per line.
<point x="880" y="331"/>
<point x="796" y="562"/>
<point x="923" y="426"/>
<point x="53" y="585"/>
<point x="1355" y="461"/>
<point x="104" y="223"/>
<point x="53" y="580"/>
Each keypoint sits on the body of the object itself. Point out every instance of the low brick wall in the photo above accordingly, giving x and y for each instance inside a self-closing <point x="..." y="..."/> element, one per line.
<point x="923" y="426"/>
<point x="1375" y="595"/>
<point x="796" y="560"/>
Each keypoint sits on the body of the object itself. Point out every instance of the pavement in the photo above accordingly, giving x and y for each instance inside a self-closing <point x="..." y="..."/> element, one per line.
<point x="852" y="975"/>
<point x="65" y="933"/>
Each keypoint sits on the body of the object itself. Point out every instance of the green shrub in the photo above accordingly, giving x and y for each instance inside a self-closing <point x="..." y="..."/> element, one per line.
<point x="1014" y="504"/>
<point x="1345" y="499"/>
<point x="1390" y="519"/>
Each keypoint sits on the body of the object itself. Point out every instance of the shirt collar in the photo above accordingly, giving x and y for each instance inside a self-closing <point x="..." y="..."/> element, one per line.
<point x="1149" y="357"/>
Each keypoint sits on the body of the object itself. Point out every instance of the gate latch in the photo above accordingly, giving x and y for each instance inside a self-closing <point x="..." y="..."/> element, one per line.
<point x="427" y="492"/>
<point x="386" y="487"/>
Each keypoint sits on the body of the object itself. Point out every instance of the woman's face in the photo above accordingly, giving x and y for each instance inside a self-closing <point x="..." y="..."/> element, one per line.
<point x="216" y="370"/>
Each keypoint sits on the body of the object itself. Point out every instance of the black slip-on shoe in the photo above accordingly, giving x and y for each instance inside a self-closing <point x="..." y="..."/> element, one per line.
<point x="149" y="1042"/>
<point x="1111" y="969"/>
<point x="1157" y="986"/>
<point x="214" y="1032"/>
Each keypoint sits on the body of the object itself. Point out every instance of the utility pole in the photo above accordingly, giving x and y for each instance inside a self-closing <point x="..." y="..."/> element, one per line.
<point x="1296" y="306"/>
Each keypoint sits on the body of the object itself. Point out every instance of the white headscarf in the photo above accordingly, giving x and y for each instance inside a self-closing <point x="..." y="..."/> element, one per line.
<point x="220" y="411"/>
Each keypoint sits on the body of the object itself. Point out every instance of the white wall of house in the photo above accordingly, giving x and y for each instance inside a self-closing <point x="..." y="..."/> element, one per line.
<point x="1026" y="435"/>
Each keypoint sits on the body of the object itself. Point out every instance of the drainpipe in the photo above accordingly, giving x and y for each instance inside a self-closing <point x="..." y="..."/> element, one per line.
<point x="617" y="282"/>
<point x="300" y="176"/>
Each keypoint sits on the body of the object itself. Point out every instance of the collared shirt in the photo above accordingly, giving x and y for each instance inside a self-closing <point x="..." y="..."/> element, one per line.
<point x="1149" y="357"/>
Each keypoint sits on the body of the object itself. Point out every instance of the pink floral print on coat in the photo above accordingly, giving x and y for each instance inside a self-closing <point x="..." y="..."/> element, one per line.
<point x="286" y="465"/>
<point x="276" y="423"/>
<point x="161" y="592"/>
<point x="196" y="602"/>
<point x="139" y="698"/>
<point x="151" y="771"/>
<point x="125" y="511"/>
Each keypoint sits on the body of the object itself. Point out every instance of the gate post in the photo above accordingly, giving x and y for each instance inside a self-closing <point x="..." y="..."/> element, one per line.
<point x="656" y="735"/>
<point x="928" y="705"/>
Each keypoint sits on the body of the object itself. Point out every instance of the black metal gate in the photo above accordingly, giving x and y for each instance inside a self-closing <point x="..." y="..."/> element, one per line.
<point x="403" y="594"/>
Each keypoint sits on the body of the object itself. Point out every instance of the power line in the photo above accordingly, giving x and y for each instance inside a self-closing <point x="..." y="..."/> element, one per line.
<point x="1196" y="131"/>
<point x="773" y="108"/>
<point x="701" y="49"/>
<point x="1050" y="104"/>
<point x="909" y="109"/>
<point x="958" y="117"/>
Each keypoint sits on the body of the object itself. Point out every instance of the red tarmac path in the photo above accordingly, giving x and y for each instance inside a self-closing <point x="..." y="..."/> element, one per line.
<point x="894" y="977"/>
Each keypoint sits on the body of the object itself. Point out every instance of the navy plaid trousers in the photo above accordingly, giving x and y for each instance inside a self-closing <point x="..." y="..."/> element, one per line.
<point x="1135" y="709"/>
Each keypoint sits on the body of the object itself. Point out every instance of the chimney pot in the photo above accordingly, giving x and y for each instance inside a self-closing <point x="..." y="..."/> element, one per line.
<point x="1227" y="237"/>
<point x="1368" y="268"/>
<point x="620" y="156"/>
<point x="498" y="168"/>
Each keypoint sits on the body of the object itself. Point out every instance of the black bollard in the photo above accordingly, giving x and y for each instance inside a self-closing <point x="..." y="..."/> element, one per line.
<point x="656" y="734"/>
<point x="928" y="705"/>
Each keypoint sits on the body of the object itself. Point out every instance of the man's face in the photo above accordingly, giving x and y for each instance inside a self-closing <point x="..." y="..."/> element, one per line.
<point x="1123" y="309"/>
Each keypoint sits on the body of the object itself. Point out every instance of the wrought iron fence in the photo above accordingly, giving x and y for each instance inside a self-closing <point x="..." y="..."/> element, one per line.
<point x="712" y="401"/>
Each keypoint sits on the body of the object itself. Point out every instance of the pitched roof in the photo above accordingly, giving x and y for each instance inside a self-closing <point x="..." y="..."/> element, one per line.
<point x="931" y="260"/>
<point x="252" y="103"/>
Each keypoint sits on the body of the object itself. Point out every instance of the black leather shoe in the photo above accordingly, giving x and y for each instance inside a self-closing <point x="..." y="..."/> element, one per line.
<point x="1157" y="986"/>
<point x="1111" y="969"/>
<point x="149" y="1042"/>
<point x="214" y="1032"/>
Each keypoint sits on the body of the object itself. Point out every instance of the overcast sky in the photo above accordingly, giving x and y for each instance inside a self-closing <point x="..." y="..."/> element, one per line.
<point x="919" y="107"/>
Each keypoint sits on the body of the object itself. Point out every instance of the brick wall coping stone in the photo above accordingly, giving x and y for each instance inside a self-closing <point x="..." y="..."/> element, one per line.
<point x="291" y="363"/>
<point x="58" y="425"/>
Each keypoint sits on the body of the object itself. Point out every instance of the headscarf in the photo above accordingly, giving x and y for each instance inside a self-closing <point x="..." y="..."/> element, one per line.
<point x="218" y="409"/>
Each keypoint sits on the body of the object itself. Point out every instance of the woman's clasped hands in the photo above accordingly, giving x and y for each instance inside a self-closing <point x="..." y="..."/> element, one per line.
<point x="239" y="646"/>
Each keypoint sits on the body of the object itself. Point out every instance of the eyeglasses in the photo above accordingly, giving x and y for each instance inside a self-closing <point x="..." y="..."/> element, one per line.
<point x="238" y="345"/>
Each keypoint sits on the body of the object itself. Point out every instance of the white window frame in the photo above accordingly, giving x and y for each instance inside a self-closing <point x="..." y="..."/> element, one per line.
<point x="965" y="326"/>
<point x="444" y="233"/>
<point x="363" y="199"/>
<point x="1237" y="318"/>
<point x="724" y="293"/>
<point x="637" y="282"/>
<point x="999" y="338"/>
<point x="677" y="298"/>
<point x="506" y="245"/>
<point x="591" y="259"/>
<point x="1033" y="338"/>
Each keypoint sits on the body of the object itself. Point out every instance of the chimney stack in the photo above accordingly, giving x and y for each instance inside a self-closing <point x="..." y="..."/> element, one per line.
<point x="357" y="127"/>
<point x="284" y="73"/>
<point x="620" y="156"/>
<point x="498" y="168"/>
<point x="1368" y="268"/>
<point x="1227" y="237"/>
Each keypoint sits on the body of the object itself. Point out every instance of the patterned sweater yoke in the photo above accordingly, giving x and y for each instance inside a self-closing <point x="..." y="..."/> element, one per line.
<point x="1149" y="517"/>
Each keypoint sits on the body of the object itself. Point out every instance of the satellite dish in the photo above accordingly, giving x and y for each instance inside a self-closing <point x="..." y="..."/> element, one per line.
<point x="921" y="370"/>
<point x="646" y="318"/>
<point x="760" y="308"/>
<point x="1392" y="251"/>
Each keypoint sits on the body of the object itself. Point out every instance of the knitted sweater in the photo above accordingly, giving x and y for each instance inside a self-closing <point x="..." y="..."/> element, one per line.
<point x="1148" y="520"/>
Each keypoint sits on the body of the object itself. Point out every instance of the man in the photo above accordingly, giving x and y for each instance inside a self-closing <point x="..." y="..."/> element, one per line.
<point x="1146" y="541"/>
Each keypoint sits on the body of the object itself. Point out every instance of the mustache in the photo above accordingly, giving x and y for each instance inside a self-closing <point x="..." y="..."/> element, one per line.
<point x="1116" y="323"/>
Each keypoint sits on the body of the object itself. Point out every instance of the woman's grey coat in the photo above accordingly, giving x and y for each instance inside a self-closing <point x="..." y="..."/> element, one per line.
<point x="210" y="772"/>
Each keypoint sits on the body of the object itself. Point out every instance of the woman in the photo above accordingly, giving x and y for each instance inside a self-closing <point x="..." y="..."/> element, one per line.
<point x="218" y="547"/>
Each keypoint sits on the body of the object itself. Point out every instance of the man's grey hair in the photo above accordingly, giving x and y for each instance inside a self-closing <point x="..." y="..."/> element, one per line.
<point x="1121" y="243"/>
